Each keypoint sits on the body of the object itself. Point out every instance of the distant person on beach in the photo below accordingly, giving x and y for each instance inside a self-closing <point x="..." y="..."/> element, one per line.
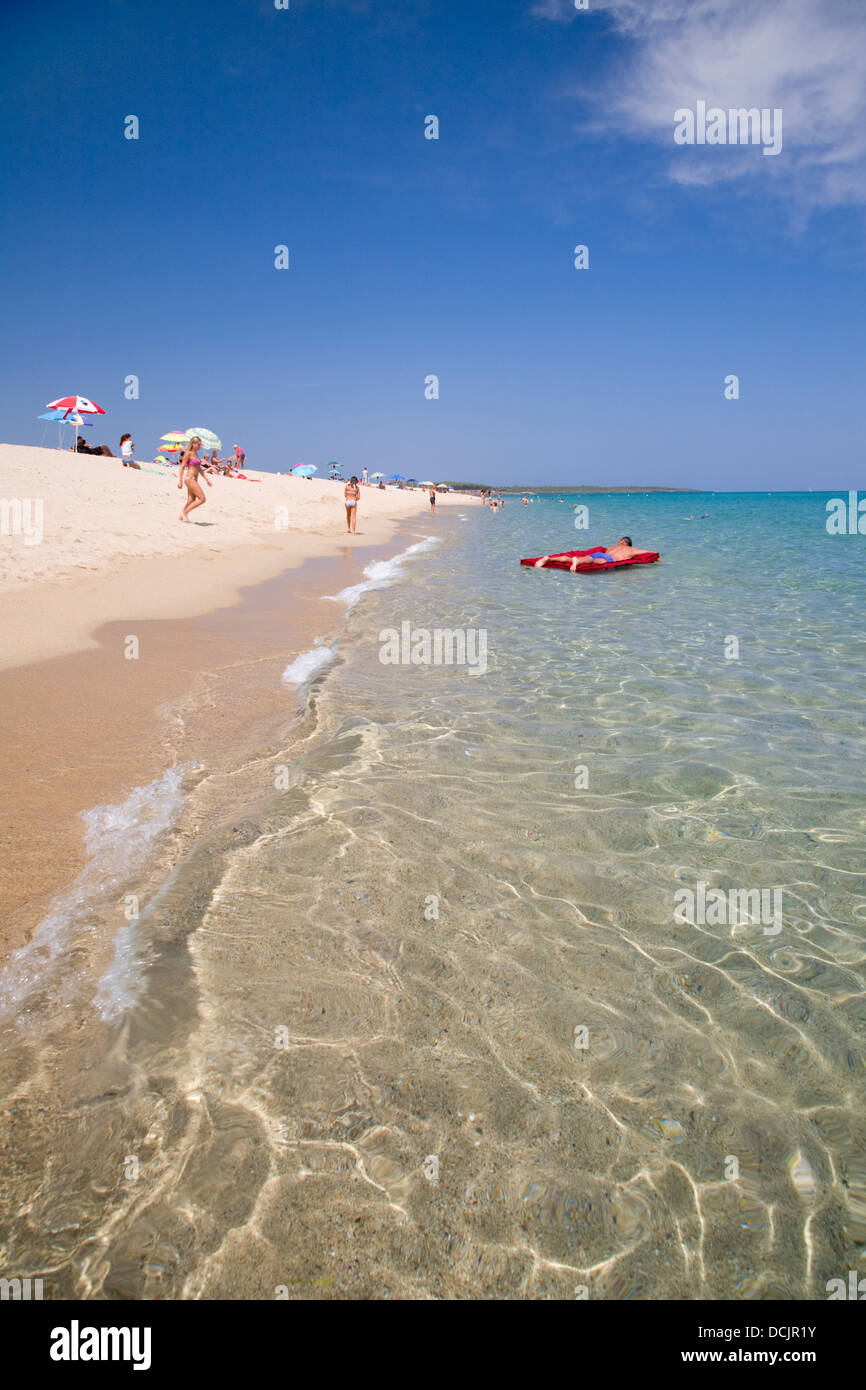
<point x="352" y="494"/>
<point x="239" y="459"/>
<point x="127" y="449"/>
<point x="191" y="469"/>
<point x="432" y="499"/>
<point x="623" y="550"/>
<point x="364" y="478"/>
<point x="82" y="448"/>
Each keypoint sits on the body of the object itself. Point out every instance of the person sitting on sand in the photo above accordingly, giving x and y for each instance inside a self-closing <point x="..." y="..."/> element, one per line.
<point x="352" y="493"/>
<point x="191" y="468"/>
<point x="83" y="448"/>
<point x="127" y="450"/>
<point x="623" y="550"/>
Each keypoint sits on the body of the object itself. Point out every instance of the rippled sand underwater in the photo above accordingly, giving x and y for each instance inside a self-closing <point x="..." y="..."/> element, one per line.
<point x="418" y="1020"/>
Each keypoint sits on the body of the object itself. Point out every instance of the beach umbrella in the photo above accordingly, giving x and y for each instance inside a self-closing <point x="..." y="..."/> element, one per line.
<point x="377" y="475"/>
<point x="396" y="478"/>
<point x="79" y="403"/>
<point x="428" y="483"/>
<point x="173" y="437"/>
<point x="334" y="464"/>
<point x="62" y="418"/>
<point x="209" y="440"/>
<point x="304" y="470"/>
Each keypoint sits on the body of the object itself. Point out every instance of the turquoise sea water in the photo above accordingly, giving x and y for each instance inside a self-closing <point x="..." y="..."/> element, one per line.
<point x="422" y="1020"/>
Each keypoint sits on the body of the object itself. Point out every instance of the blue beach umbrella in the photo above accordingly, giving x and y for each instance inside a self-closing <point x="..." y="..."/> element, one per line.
<point x="304" y="470"/>
<point x="63" y="418"/>
<point x="397" y="478"/>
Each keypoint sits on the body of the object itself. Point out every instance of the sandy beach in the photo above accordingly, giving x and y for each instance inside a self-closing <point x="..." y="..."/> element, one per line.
<point x="90" y="542"/>
<point x="219" y="607"/>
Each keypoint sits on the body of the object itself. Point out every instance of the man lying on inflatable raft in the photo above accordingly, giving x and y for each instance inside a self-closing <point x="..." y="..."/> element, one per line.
<point x="585" y="561"/>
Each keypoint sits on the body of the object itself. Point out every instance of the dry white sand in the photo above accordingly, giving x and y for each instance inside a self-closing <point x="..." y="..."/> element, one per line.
<point x="86" y="541"/>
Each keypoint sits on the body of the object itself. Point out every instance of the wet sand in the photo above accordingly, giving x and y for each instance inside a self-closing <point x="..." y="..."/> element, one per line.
<point x="92" y="725"/>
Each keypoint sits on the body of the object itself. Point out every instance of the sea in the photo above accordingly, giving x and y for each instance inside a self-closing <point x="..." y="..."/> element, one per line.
<point x="524" y="959"/>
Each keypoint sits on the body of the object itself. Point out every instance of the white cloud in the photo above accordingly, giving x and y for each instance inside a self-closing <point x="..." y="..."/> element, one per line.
<point x="806" y="56"/>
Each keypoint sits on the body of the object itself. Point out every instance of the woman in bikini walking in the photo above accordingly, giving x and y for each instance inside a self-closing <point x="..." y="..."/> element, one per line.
<point x="352" y="494"/>
<point x="191" y="467"/>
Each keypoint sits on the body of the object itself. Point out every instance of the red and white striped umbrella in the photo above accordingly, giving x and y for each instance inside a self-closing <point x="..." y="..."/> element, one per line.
<point x="79" y="403"/>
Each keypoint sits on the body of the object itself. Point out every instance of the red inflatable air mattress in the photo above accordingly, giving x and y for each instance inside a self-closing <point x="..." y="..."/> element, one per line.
<point x="571" y="560"/>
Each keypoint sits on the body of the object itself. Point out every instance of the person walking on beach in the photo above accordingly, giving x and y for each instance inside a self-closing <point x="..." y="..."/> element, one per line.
<point x="364" y="476"/>
<point x="352" y="494"/>
<point x="127" y="449"/>
<point x="432" y="500"/>
<point x="191" y="468"/>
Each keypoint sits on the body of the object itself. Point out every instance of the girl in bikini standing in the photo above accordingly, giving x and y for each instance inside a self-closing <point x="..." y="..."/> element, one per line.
<point x="191" y="466"/>
<point x="352" y="493"/>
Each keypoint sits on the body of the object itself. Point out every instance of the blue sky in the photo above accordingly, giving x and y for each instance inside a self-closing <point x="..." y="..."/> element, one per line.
<point x="412" y="257"/>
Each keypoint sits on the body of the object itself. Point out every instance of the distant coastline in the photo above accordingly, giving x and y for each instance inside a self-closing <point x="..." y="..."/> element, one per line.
<point x="563" y="488"/>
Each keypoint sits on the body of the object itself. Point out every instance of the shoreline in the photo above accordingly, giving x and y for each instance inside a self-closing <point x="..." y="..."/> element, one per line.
<point x="204" y="685"/>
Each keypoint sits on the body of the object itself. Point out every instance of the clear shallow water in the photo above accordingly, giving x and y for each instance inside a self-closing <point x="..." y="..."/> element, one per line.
<point x="352" y="1067"/>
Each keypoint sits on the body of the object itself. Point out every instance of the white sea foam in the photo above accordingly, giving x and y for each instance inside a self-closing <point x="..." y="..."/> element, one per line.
<point x="381" y="574"/>
<point x="308" y="665"/>
<point x="118" y="840"/>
